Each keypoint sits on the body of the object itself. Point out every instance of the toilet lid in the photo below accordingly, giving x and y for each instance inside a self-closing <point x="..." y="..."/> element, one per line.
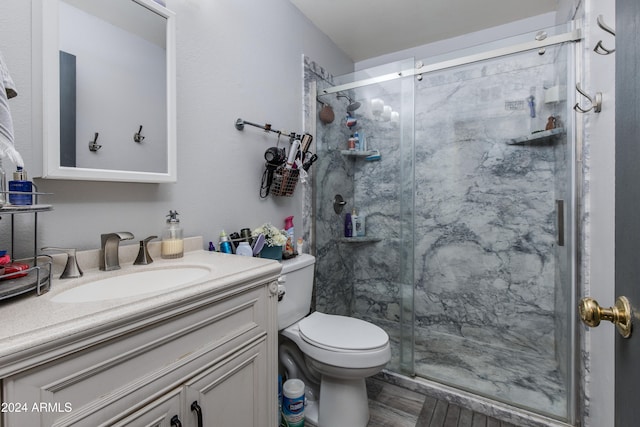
<point x="341" y="332"/>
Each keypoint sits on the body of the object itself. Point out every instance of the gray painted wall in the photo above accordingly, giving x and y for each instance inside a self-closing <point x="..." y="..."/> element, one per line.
<point x="234" y="59"/>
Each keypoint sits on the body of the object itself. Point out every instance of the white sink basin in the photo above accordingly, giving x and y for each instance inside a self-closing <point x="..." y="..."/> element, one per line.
<point x="132" y="284"/>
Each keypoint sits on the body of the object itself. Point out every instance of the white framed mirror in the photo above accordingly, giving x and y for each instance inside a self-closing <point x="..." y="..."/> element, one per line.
<point x="108" y="90"/>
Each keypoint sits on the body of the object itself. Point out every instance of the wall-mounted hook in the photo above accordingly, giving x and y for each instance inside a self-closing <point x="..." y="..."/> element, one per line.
<point x="599" y="48"/>
<point x="540" y="36"/>
<point x="596" y="102"/>
<point x="93" y="145"/>
<point x="137" y="137"/>
<point x="419" y="64"/>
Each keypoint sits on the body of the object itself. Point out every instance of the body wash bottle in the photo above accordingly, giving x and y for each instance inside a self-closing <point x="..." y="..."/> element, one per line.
<point x="172" y="241"/>
<point x="360" y="225"/>
<point x="348" y="225"/>
<point x="354" y="223"/>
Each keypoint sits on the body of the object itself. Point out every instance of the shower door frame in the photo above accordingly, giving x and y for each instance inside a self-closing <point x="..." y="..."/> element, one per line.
<point x="572" y="36"/>
<point x="569" y="280"/>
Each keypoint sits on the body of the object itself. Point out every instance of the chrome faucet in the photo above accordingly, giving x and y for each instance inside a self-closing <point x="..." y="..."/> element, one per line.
<point x="109" y="244"/>
<point x="72" y="269"/>
<point x="143" y="257"/>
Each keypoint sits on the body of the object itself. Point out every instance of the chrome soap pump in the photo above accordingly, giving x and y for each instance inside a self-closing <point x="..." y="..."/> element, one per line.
<point x="172" y="240"/>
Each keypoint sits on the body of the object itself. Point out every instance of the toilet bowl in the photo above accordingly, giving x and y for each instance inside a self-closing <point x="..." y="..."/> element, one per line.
<point x="341" y="350"/>
<point x="344" y="351"/>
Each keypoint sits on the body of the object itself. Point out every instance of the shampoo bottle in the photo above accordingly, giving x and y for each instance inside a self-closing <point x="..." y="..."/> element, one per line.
<point x="355" y="225"/>
<point x="20" y="184"/>
<point x="360" y="225"/>
<point x="172" y="241"/>
<point x="225" y="244"/>
<point x="348" y="225"/>
<point x="357" y="222"/>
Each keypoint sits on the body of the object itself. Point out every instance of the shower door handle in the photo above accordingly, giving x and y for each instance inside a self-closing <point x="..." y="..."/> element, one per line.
<point x="560" y="221"/>
<point x="620" y="314"/>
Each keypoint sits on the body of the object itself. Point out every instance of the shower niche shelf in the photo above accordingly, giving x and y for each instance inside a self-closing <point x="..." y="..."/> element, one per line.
<point x="359" y="240"/>
<point x="538" y="138"/>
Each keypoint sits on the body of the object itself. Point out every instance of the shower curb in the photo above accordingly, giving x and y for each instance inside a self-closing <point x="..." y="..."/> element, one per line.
<point x="517" y="416"/>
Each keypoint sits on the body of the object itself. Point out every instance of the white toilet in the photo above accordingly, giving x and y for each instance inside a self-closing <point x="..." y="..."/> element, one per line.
<point x="332" y="353"/>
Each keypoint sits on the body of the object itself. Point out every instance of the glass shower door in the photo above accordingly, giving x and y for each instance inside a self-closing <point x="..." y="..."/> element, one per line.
<point x="493" y="227"/>
<point x="369" y="276"/>
<point x="467" y="190"/>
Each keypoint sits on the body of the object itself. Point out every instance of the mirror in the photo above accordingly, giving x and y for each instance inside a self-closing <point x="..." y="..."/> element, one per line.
<point x="108" y="90"/>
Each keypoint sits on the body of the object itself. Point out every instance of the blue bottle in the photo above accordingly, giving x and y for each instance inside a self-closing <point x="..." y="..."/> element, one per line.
<point x="22" y="185"/>
<point x="225" y="244"/>
<point x="348" y="225"/>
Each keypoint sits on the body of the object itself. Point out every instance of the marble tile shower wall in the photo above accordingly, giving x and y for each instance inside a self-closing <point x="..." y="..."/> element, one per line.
<point x="332" y="175"/>
<point x="361" y="279"/>
<point x="484" y="211"/>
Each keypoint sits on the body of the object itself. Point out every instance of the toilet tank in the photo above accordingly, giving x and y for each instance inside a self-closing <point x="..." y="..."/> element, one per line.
<point x="297" y="279"/>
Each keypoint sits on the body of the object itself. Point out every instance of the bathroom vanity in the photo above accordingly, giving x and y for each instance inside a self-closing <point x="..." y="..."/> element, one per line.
<point x="202" y="353"/>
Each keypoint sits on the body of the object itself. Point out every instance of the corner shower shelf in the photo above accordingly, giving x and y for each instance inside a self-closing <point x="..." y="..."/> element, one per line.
<point x="362" y="240"/>
<point x="16" y="209"/>
<point x="357" y="153"/>
<point x="536" y="138"/>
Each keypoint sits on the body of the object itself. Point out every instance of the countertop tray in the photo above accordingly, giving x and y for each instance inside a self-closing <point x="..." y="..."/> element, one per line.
<point x="38" y="279"/>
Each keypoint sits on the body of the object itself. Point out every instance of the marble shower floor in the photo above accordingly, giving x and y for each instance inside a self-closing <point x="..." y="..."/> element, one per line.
<point x="515" y="377"/>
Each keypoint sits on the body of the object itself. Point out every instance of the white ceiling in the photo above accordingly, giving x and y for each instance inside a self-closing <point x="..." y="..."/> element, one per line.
<point x="365" y="29"/>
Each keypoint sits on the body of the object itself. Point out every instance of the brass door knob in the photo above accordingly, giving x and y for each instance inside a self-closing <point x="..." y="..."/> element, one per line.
<point x="620" y="315"/>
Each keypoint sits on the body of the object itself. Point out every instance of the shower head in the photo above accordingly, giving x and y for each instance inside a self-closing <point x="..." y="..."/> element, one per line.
<point x="353" y="105"/>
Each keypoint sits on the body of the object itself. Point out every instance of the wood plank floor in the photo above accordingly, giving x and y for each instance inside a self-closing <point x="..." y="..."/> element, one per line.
<point x="393" y="406"/>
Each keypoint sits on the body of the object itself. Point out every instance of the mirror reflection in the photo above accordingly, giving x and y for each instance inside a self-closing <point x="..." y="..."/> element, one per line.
<point x="113" y="100"/>
<point x="112" y="81"/>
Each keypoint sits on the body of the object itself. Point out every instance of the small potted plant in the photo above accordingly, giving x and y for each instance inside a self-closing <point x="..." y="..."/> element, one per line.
<point x="274" y="241"/>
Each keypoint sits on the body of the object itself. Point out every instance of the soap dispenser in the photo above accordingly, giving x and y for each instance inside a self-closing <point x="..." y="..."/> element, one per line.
<point x="172" y="241"/>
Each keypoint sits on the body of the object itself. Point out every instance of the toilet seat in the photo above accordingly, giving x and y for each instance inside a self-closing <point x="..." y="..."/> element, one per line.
<point x="341" y="333"/>
<point x="327" y="347"/>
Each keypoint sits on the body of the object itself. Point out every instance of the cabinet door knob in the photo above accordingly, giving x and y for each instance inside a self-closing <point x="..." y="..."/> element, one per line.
<point x="198" y="410"/>
<point x="175" y="421"/>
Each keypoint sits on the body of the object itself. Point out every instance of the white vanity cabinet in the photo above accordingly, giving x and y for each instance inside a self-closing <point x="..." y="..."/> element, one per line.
<point x="227" y="394"/>
<point x="218" y="351"/>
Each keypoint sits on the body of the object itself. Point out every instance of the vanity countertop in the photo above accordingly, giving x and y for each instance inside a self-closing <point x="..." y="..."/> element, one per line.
<point x="32" y="324"/>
